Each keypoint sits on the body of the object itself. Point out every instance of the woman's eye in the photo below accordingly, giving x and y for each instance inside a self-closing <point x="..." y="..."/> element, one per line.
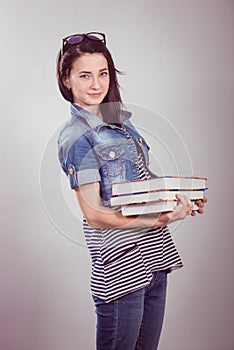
<point x="104" y="74"/>
<point x="84" y="76"/>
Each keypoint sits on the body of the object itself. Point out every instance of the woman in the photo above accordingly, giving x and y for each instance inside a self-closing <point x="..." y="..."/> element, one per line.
<point x="131" y="256"/>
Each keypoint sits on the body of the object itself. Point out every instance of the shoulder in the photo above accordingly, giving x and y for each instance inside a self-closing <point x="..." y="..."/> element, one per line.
<point x="73" y="135"/>
<point x="72" y="131"/>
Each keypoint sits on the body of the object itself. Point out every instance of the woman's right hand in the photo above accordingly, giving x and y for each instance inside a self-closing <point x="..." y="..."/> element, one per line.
<point x="184" y="208"/>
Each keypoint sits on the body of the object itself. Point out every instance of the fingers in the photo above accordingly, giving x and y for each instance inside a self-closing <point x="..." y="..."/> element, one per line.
<point x="186" y="204"/>
<point x="185" y="207"/>
<point x="201" y="204"/>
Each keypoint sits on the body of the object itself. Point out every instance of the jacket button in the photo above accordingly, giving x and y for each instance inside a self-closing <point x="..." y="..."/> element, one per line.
<point x="140" y="140"/>
<point x="112" y="154"/>
<point x="71" y="171"/>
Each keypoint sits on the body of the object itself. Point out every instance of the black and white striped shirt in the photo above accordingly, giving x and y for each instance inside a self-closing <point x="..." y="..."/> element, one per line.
<point x="123" y="259"/>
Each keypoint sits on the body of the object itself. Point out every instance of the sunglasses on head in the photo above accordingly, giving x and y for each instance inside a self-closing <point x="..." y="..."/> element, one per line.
<point x="78" y="38"/>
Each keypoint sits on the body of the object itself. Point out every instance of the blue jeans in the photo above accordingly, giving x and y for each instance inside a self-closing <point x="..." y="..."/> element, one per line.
<point x="134" y="321"/>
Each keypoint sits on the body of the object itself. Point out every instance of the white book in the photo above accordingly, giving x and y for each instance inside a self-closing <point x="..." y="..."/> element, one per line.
<point x="159" y="183"/>
<point x="151" y="208"/>
<point x="155" y="196"/>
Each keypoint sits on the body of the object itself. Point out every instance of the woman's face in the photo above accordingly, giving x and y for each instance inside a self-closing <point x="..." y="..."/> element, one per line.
<point x="89" y="80"/>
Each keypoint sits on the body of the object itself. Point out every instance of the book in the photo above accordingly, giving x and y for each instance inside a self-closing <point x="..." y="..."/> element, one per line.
<point x="155" y="196"/>
<point x="151" y="208"/>
<point x="159" y="183"/>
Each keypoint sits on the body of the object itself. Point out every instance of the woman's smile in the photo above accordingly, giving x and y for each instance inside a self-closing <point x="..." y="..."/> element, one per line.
<point x="95" y="94"/>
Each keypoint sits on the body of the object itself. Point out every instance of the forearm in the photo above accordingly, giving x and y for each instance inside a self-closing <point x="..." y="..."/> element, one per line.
<point x="105" y="217"/>
<point x="98" y="215"/>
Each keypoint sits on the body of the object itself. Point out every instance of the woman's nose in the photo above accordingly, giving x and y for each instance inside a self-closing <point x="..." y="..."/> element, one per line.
<point x="95" y="83"/>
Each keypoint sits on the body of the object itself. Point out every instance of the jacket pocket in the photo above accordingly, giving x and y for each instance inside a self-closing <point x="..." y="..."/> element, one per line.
<point x="111" y="159"/>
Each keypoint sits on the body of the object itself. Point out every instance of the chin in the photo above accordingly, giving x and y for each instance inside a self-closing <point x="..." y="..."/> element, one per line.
<point x="95" y="101"/>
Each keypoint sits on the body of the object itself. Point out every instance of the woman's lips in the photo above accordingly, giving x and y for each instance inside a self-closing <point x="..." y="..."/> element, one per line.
<point x="95" y="94"/>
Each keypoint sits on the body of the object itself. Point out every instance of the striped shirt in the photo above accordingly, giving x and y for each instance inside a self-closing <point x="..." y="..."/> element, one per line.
<point x="123" y="259"/>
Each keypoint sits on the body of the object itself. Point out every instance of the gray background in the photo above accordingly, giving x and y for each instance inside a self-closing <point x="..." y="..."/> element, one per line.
<point x="179" y="60"/>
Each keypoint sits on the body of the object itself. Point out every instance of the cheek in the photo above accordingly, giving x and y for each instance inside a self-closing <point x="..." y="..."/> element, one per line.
<point x="107" y="84"/>
<point x="79" y="88"/>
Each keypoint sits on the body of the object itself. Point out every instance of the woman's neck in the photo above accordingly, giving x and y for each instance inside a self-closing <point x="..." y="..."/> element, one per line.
<point x="94" y="110"/>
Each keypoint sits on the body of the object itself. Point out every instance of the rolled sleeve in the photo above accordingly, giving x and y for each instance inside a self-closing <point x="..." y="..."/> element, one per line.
<point x="82" y="164"/>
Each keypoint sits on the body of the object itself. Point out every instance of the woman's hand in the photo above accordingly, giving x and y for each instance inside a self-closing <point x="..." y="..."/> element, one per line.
<point x="201" y="203"/>
<point x="184" y="208"/>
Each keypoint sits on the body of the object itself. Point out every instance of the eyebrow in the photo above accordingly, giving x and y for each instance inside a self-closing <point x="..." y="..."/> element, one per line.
<point x="87" y="72"/>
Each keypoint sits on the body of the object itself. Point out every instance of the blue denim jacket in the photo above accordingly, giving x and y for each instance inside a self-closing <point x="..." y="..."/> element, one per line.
<point x="123" y="259"/>
<point x="91" y="150"/>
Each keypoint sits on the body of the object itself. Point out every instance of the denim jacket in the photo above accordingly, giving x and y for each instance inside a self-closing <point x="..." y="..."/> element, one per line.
<point x="91" y="150"/>
<point x="123" y="259"/>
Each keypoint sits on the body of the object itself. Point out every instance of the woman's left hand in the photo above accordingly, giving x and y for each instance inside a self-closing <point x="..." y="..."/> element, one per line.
<point x="201" y="203"/>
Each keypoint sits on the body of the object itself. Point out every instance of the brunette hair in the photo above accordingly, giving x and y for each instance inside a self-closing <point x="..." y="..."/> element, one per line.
<point x="112" y="102"/>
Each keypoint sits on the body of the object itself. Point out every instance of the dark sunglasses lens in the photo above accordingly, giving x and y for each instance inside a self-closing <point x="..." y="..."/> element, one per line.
<point x="73" y="40"/>
<point x="94" y="37"/>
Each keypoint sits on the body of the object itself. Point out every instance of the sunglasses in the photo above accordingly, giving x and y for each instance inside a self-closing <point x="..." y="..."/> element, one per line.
<point x="78" y="38"/>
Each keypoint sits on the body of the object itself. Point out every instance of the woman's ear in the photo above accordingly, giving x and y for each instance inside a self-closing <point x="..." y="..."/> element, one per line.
<point x="66" y="83"/>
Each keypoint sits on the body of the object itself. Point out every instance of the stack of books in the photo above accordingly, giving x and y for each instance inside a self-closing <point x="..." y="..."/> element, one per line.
<point x="156" y="195"/>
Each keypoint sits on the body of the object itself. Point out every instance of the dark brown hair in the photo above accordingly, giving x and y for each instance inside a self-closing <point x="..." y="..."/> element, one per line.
<point x="112" y="102"/>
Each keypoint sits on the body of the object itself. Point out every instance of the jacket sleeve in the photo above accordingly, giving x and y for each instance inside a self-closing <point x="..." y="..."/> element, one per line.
<point x="81" y="164"/>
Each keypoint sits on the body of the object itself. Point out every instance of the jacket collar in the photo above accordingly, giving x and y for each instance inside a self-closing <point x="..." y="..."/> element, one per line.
<point x="93" y="120"/>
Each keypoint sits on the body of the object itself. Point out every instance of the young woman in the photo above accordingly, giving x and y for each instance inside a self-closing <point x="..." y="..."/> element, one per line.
<point x="131" y="256"/>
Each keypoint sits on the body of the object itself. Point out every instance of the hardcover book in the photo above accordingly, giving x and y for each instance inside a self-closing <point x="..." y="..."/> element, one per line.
<point x="159" y="183"/>
<point x="151" y="207"/>
<point x="155" y="196"/>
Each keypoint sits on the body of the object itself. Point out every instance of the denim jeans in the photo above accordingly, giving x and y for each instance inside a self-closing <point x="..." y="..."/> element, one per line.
<point x="134" y="321"/>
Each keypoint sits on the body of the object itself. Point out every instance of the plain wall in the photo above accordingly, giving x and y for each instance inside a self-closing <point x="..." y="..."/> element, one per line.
<point x="178" y="59"/>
